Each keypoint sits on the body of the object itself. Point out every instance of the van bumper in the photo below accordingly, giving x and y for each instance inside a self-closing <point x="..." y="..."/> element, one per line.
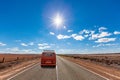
<point x="49" y="65"/>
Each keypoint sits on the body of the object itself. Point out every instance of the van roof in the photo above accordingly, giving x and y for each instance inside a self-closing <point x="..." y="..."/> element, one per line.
<point x="48" y="51"/>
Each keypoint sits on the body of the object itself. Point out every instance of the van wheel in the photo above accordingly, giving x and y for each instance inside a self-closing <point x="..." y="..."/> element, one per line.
<point x="54" y="66"/>
<point x="42" y="66"/>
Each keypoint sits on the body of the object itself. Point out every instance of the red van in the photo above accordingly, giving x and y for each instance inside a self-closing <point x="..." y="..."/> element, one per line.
<point x="48" y="58"/>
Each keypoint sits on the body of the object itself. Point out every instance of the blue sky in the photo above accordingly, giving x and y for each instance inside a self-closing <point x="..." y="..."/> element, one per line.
<point x="89" y="26"/>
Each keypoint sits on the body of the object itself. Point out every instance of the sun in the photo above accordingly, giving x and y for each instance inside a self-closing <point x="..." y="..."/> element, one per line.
<point x="58" y="20"/>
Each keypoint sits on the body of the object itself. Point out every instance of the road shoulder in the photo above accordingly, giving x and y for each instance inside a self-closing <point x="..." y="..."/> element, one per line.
<point x="101" y="70"/>
<point x="16" y="69"/>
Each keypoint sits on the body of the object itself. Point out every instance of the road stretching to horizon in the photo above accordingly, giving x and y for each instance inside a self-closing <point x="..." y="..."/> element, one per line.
<point x="65" y="70"/>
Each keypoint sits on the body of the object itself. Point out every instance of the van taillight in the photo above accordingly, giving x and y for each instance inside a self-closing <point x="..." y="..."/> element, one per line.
<point x="53" y="61"/>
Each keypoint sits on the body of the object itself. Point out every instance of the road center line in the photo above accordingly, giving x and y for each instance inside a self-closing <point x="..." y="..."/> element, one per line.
<point x="56" y="72"/>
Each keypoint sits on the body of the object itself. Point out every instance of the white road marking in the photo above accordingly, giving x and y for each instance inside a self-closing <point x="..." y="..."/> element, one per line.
<point x="21" y="72"/>
<point x="112" y="75"/>
<point x="56" y="71"/>
<point x="103" y="72"/>
<point x="94" y="72"/>
<point x="88" y="70"/>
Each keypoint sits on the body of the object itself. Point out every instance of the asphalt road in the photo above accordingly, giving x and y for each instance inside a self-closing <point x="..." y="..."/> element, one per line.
<point x="65" y="70"/>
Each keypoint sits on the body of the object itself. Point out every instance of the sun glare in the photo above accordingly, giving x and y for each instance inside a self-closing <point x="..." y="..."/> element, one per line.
<point x="58" y="20"/>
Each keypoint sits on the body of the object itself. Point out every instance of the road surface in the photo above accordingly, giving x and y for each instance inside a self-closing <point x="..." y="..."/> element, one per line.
<point x="65" y="70"/>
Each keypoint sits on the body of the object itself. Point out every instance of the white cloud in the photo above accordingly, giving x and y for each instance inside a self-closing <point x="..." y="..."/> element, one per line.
<point x="92" y="32"/>
<point x="69" y="30"/>
<point x="103" y="34"/>
<point x="84" y="31"/>
<point x="27" y="44"/>
<point x="77" y="37"/>
<point x="86" y="35"/>
<point x="73" y="35"/>
<point x="104" y="40"/>
<point x="99" y="45"/>
<point x="102" y="28"/>
<point x="93" y="36"/>
<point x="52" y="33"/>
<point x="43" y="46"/>
<point x="100" y="35"/>
<point x="23" y="44"/>
<point x="116" y="32"/>
<point x="2" y="44"/>
<point x="60" y="36"/>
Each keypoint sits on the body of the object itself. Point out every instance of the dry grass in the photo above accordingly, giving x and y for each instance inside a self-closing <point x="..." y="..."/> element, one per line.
<point x="13" y="57"/>
<point x="8" y="60"/>
<point x="111" y="60"/>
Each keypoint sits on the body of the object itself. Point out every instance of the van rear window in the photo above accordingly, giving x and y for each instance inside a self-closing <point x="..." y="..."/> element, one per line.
<point x="48" y="54"/>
